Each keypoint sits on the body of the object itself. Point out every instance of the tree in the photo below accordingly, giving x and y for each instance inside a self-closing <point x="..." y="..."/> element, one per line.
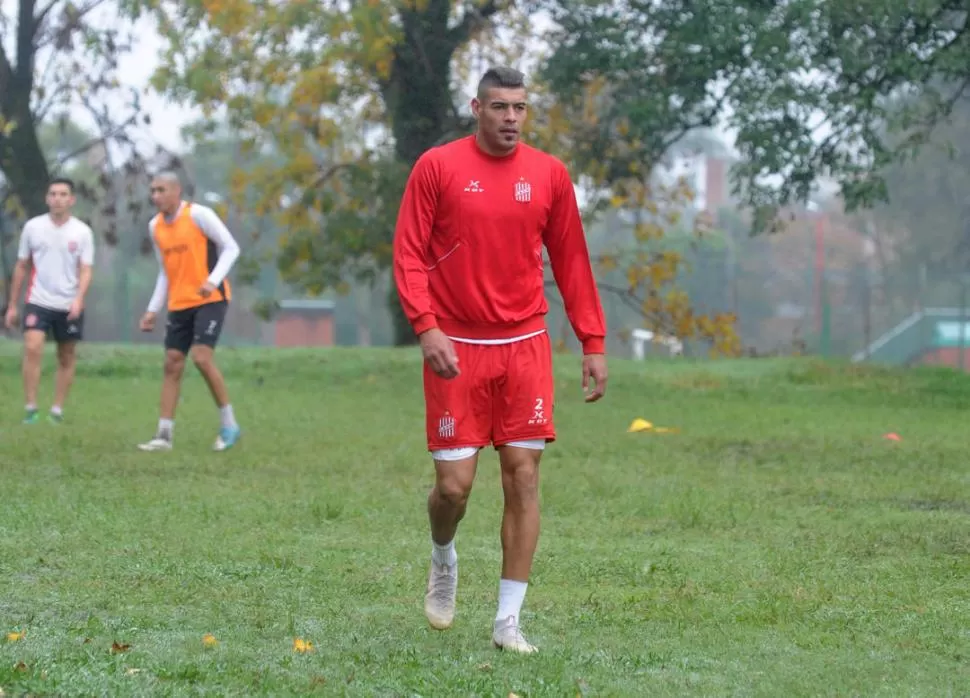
<point x="922" y="234"/>
<point x="805" y="84"/>
<point x="348" y="95"/>
<point x="60" y="57"/>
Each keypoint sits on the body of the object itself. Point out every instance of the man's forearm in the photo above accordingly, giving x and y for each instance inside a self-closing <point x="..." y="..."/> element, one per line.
<point x="84" y="282"/>
<point x="19" y="272"/>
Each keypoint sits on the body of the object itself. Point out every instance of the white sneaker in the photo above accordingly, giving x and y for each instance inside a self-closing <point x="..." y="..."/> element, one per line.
<point x="439" y="602"/>
<point x="507" y="636"/>
<point x="157" y="443"/>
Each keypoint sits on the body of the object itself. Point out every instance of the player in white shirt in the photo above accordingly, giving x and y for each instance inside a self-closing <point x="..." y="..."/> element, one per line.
<point x="58" y="250"/>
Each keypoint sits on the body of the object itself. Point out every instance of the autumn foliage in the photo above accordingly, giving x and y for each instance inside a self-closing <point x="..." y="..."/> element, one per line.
<point x="340" y="101"/>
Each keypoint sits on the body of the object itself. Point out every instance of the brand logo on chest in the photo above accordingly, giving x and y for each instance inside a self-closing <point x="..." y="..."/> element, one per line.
<point x="523" y="191"/>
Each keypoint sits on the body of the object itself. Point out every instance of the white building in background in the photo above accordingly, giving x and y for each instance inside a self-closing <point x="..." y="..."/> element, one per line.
<point x="641" y="337"/>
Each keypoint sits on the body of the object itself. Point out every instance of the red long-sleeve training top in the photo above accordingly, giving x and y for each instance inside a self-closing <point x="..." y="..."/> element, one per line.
<point x="468" y="245"/>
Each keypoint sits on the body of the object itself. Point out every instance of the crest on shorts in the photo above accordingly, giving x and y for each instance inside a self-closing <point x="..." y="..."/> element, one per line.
<point x="523" y="191"/>
<point x="30" y="320"/>
<point x="446" y="426"/>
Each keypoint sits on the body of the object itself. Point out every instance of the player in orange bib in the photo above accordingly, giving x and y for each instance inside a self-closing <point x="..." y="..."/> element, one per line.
<point x="196" y="252"/>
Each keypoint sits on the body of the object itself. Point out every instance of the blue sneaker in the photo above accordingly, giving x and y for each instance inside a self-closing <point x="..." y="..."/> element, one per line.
<point x="228" y="436"/>
<point x="31" y="417"/>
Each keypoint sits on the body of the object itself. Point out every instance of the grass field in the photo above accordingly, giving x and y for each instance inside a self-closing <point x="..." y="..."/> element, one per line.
<point x="776" y="546"/>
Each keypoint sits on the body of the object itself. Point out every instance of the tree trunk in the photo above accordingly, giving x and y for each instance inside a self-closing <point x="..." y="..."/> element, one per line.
<point x="419" y="100"/>
<point x="25" y="168"/>
<point x="22" y="160"/>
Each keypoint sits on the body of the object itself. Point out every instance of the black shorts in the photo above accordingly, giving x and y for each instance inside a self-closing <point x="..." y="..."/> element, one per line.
<point x="199" y="325"/>
<point x="53" y="323"/>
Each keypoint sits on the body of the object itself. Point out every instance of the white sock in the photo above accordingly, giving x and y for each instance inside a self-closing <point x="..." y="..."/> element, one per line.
<point x="166" y="426"/>
<point x="56" y="410"/>
<point x="444" y="554"/>
<point x="31" y="407"/>
<point x="227" y="417"/>
<point x="511" y="596"/>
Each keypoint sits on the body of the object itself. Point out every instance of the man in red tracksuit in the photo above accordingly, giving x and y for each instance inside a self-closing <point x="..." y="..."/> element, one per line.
<point x="468" y="265"/>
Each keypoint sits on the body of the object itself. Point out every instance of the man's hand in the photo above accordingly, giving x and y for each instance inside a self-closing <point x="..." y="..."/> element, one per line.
<point x="207" y="290"/>
<point x="594" y="366"/>
<point x="439" y="352"/>
<point x="147" y="323"/>
<point x="77" y="307"/>
<point x="11" y="317"/>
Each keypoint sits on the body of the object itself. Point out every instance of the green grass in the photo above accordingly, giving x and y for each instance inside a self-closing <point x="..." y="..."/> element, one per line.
<point x="776" y="546"/>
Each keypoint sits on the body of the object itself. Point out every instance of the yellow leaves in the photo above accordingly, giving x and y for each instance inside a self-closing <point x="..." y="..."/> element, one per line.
<point x="233" y="17"/>
<point x="301" y="165"/>
<point x="16" y="635"/>
<point x="607" y="263"/>
<point x="209" y="640"/>
<point x="650" y="230"/>
<point x="301" y="646"/>
<point x="7" y="127"/>
<point x="264" y="113"/>
<point x="382" y="67"/>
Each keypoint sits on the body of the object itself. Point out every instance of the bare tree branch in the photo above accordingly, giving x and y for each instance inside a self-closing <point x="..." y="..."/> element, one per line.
<point x="474" y="18"/>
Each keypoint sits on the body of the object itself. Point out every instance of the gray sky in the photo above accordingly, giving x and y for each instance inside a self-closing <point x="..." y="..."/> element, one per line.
<point x="134" y="71"/>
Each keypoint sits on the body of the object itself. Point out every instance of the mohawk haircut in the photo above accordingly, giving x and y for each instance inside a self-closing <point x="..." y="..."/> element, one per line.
<point x="501" y="77"/>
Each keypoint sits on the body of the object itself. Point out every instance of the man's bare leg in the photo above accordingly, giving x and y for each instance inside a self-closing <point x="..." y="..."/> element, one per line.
<point x="172" y="371"/>
<point x="204" y="358"/>
<point x="64" y="378"/>
<point x="447" y="502"/>
<point x="32" y="360"/>
<point x="520" y="536"/>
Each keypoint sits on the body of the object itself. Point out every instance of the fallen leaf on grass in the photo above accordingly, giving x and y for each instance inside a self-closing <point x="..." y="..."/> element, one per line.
<point x="302" y="646"/>
<point x="118" y="647"/>
<point x="209" y="640"/>
<point x="20" y="666"/>
<point x="16" y="635"/>
<point x="485" y="667"/>
<point x="132" y="671"/>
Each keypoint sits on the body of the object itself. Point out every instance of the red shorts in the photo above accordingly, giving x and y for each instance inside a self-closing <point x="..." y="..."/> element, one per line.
<point x="503" y="393"/>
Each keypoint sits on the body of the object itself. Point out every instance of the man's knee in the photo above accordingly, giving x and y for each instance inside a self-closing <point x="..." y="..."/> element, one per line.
<point x="66" y="355"/>
<point x="174" y="363"/>
<point x="520" y="470"/>
<point x="34" y="345"/>
<point x="202" y="357"/>
<point x="455" y="476"/>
